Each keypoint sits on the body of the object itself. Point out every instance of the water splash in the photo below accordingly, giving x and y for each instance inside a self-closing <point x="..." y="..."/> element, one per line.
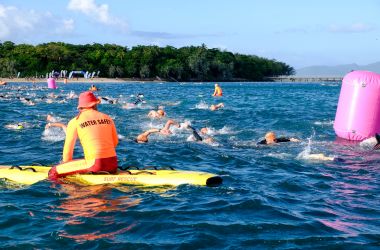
<point x="202" y="105"/>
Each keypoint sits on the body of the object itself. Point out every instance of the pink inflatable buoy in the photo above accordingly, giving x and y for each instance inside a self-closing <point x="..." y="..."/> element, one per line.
<point x="51" y="83"/>
<point x="358" y="113"/>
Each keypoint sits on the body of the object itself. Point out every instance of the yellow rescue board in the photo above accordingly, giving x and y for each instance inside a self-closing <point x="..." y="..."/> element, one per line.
<point x="29" y="175"/>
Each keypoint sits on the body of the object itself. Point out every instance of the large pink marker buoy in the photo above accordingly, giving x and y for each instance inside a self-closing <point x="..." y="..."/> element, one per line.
<point x="358" y="113"/>
<point x="51" y="83"/>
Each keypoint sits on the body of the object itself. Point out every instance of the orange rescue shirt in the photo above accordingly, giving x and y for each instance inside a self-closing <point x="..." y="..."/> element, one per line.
<point x="96" y="132"/>
<point x="218" y="91"/>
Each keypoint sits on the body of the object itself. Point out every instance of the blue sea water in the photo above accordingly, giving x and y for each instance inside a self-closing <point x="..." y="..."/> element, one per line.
<point x="272" y="196"/>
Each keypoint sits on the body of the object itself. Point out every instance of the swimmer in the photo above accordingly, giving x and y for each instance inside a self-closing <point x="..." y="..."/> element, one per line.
<point x="197" y="137"/>
<point x="93" y="88"/>
<point x="51" y="118"/>
<point x="156" y="114"/>
<point x="217" y="91"/>
<point x="109" y="100"/>
<point x="27" y="101"/>
<point x="139" y="99"/>
<point x="373" y="142"/>
<point x="166" y="129"/>
<point x="377" y="146"/>
<point x="143" y="138"/>
<point x="217" y="106"/>
<point x="56" y="124"/>
<point x="270" y="138"/>
<point x="3" y="83"/>
<point x="204" y="131"/>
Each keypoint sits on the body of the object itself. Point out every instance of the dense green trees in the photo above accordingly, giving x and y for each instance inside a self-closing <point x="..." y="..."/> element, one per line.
<point x="194" y="63"/>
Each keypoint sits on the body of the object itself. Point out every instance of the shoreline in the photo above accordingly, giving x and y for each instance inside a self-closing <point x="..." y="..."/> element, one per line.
<point x="76" y="80"/>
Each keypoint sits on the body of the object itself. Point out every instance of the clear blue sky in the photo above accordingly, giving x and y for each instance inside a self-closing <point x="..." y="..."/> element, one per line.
<point x="298" y="32"/>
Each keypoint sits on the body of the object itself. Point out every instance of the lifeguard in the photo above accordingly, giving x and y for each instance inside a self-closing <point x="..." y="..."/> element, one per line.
<point x="98" y="136"/>
<point x="217" y="91"/>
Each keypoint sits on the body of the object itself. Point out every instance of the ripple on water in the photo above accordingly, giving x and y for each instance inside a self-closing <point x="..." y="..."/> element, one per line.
<point x="269" y="197"/>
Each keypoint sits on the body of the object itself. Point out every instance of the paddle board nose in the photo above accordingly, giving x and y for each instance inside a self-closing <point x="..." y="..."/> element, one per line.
<point x="214" y="181"/>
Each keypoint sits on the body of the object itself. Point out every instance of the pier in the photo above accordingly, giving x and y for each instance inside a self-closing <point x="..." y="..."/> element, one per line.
<point x="337" y="79"/>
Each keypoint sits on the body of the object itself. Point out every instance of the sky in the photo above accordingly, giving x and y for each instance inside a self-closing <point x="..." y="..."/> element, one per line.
<point x="298" y="32"/>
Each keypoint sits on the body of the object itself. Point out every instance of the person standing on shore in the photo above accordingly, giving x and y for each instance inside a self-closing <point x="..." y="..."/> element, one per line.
<point x="98" y="136"/>
<point x="218" y="90"/>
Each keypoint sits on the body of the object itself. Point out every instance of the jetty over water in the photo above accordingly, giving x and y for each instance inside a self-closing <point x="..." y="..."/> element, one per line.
<point x="337" y="79"/>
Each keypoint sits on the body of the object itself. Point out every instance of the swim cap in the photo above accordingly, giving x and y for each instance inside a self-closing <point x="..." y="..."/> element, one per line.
<point x="87" y="100"/>
<point x="19" y="126"/>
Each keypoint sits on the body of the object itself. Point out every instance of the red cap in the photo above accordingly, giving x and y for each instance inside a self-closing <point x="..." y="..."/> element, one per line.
<point x="87" y="100"/>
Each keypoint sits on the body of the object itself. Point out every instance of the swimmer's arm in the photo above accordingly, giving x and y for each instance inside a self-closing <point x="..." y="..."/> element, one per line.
<point x="286" y="139"/>
<point x="57" y="124"/>
<point x="196" y="135"/>
<point x="262" y="142"/>
<point x="144" y="136"/>
<point x="169" y="123"/>
<point x="151" y="131"/>
<point x="71" y="137"/>
<point x="283" y="139"/>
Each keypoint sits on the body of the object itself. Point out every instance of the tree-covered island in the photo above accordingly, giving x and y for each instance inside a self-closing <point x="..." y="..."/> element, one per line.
<point x="193" y="63"/>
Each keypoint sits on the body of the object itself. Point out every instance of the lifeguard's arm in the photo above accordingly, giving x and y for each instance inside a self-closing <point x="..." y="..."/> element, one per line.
<point x="114" y="135"/>
<point x="215" y="91"/>
<point x="71" y="138"/>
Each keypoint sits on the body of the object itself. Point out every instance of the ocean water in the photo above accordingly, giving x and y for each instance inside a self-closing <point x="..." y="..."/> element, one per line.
<point x="272" y="196"/>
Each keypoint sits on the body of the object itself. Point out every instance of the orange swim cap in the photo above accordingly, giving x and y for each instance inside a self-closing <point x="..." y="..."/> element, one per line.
<point x="161" y="112"/>
<point x="87" y="100"/>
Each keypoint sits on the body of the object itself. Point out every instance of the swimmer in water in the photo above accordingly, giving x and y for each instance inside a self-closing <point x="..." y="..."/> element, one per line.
<point x="143" y="137"/>
<point x="93" y="88"/>
<point x="51" y="118"/>
<point x="109" y="100"/>
<point x="217" y="106"/>
<point x="52" y="122"/>
<point x="270" y="138"/>
<point x="26" y="100"/>
<point x="377" y="146"/>
<point x="56" y="124"/>
<point x="156" y="114"/>
<point x="375" y="141"/>
<point x="166" y="129"/>
<point x="197" y="137"/>
<point x="204" y="131"/>
<point x="139" y="99"/>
